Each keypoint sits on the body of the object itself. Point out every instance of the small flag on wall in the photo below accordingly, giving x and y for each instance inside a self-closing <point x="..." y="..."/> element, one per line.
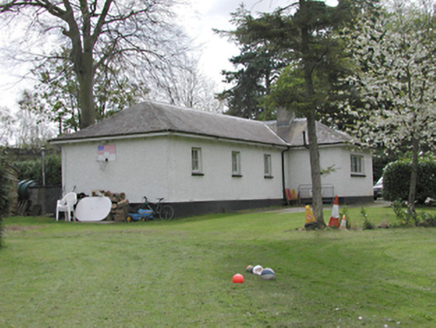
<point x="106" y="153"/>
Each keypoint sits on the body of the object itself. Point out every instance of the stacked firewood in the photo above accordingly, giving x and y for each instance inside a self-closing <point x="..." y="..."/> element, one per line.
<point x="120" y="204"/>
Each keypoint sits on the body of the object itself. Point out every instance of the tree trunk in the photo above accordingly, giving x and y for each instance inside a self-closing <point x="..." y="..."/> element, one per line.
<point x="311" y="124"/>
<point x="82" y="56"/>
<point x="414" y="174"/>
<point x="85" y="76"/>
<point x="315" y="170"/>
<point x="86" y="99"/>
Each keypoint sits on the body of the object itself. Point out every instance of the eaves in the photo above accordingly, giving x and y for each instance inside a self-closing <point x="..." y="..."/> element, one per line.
<point x="59" y="141"/>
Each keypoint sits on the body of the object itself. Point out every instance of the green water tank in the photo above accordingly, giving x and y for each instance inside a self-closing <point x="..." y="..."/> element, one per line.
<point x="23" y="189"/>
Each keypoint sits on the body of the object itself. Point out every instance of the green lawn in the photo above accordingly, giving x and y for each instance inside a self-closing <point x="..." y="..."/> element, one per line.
<point x="179" y="273"/>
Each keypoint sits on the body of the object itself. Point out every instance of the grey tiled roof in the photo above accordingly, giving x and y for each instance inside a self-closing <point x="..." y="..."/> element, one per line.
<point x="151" y="117"/>
<point x="293" y="133"/>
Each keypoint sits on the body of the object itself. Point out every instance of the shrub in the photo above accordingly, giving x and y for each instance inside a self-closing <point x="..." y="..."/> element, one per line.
<point x="4" y="190"/>
<point x="427" y="220"/>
<point x="31" y="170"/>
<point x="407" y="217"/>
<point x="367" y="225"/>
<point x="396" y="180"/>
<point x="1" y="232"/>
<point x="401" y="213"/>
<point x="5" y="183"/>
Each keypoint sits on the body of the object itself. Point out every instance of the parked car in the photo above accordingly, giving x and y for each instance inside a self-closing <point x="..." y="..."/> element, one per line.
<point x="378" y="188"/>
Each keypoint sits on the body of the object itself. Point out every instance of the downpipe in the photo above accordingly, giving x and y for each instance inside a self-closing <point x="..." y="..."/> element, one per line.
<point x="283" y="173"/>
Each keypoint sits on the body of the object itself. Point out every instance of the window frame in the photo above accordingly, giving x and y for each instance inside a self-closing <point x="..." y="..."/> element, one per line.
<point x="236" y="164"/>
<point x="357" y="165"/>
<point x="267" y="166"/>
<point x="196" y="161"/>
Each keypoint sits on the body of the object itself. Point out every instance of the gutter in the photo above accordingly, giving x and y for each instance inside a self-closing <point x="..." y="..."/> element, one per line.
<point x="159" y="134"/>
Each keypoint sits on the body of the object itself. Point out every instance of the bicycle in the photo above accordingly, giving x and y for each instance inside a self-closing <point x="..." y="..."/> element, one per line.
<point x="163" y="211"/>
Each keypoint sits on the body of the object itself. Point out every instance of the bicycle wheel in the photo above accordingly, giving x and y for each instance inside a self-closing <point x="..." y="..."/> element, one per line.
<point x="166" y="212"/>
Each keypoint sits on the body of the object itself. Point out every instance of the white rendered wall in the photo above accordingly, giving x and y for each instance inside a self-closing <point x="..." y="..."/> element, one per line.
<point x="161" y="167"/>
<point x="135" y="171"/>
<point x="217" y="182"/>
<point x="345" y="185"/>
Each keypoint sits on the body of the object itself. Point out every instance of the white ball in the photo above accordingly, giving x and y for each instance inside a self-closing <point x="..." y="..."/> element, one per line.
<point x="257" y="270"/>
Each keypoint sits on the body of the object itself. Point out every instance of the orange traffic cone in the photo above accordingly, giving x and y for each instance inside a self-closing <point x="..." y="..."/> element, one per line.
<point x="334" y="218"/>
<point x="310" y="218"/>
<point x="343" y="223"/>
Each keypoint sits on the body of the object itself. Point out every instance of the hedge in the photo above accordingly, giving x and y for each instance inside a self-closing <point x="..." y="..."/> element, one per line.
<point x="396" y="180"/>
<point x="5" y="183"/>
<point x="31" y="170"/>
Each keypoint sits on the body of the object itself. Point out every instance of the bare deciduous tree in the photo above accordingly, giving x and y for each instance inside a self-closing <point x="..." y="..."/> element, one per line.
<point x="135" y="35"/>
<point x="182" y="84"/>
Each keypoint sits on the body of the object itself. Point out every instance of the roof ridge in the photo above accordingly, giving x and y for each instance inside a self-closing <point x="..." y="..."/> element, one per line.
<point x="275" y="133"/>
<point x="158" y="117"/>
<point x="200" y="111"/>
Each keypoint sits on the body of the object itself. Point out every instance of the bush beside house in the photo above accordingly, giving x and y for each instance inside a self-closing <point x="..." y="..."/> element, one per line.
<point x="5" y="185"/>
<point x="31" y="170"/>
<point x="396" y="180"/>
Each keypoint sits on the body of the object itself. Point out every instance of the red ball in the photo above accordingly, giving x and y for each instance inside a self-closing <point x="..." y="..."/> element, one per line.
<point x="238" y="278"/>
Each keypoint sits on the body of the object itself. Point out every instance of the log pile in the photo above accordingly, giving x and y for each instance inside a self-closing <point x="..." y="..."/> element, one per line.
<point x="120" y="204"/>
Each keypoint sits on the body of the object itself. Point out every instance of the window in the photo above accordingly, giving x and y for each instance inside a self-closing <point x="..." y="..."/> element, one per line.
<point x="357" y="168"/>
<point x="267" y="166"/>
<point x="197" y="168"/>
<point x="236" y="164"/>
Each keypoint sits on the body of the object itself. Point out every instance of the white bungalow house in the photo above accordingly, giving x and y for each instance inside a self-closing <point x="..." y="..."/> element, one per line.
<point x="203" y="162"/>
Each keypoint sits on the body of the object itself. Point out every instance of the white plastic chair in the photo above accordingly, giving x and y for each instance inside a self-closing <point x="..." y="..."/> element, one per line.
<point x="66" y="205"/>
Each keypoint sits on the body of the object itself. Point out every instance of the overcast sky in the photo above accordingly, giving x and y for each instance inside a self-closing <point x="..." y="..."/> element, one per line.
<point x="199" y="18"/>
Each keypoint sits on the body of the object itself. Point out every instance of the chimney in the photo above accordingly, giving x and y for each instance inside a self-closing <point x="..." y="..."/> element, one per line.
<point x="284" y="116"/>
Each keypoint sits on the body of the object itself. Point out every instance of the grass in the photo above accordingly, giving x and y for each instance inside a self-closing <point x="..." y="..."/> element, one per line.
<point x="179" y="273"/>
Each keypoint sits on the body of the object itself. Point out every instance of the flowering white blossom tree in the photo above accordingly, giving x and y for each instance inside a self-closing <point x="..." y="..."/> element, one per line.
<point x="396" y="80"/>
